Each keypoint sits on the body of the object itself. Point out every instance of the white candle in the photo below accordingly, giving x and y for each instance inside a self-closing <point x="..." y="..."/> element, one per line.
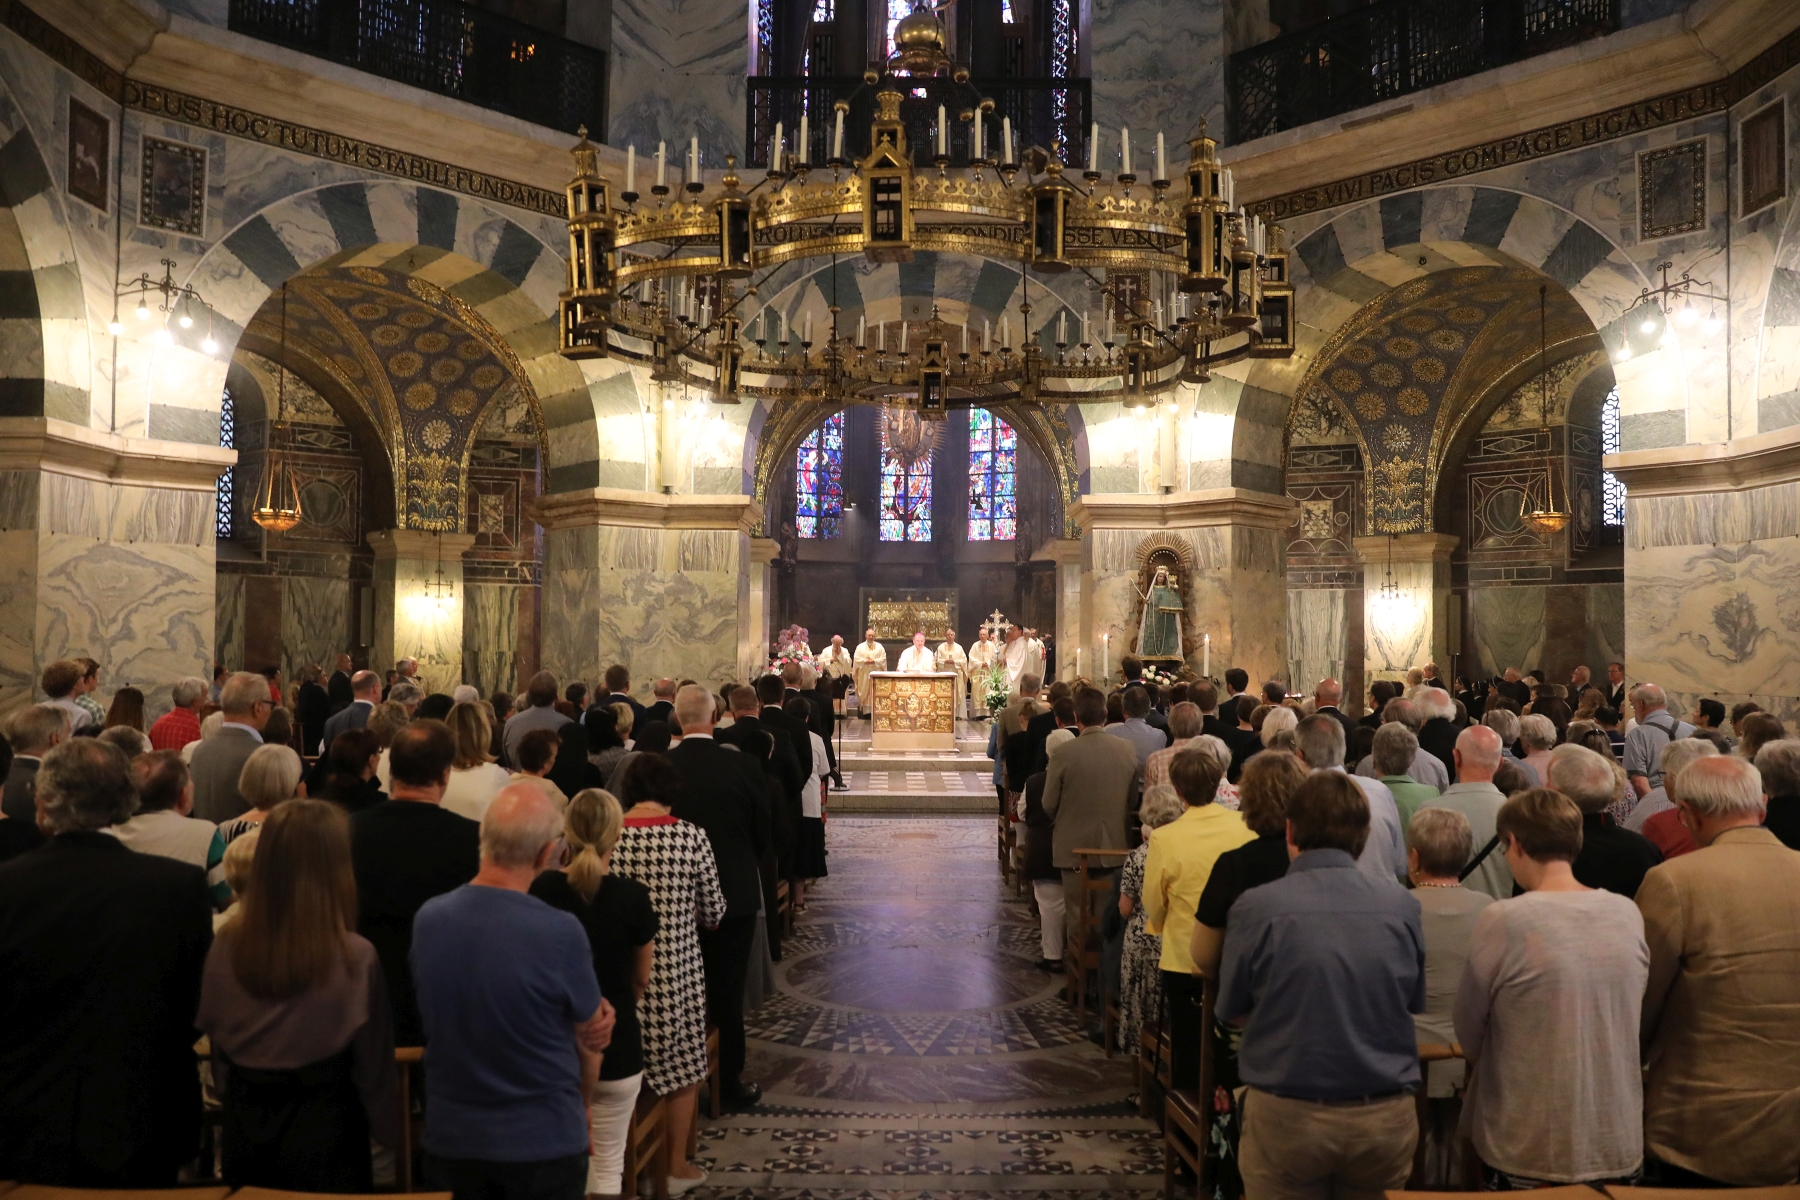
<point x="1006" y="139"/>
<point x="902" y="336"/>
<point x="631" y="168"/>
<point x="1162" y="167"/>
<point x="782" y="337"/>
<point x="775" y="149"/>
<point x="803" y="148"/>
<point x="1085" y="340"/>
<point x="965" y="343"/>
<point x="1124" y="150"/>
<point x="1105" y="656"/>
<point x="977" y="131"/>
<point x="837" y="138"/>
<point x="943" y="138"/>
<point x="662" y="164"/>
<point x="1005" y="335"/>
<point x="693" y="160"/>
<point x="881" y="332"/>
<point x="807" y="336"/>
<point x="987" y="340"/>
<point x="1159" y="319"/>
<point x="861" y="330"/>
<point x="1094" y="150"/>
<point x="1206" y="656"/>
<point x="1062" y="327"/>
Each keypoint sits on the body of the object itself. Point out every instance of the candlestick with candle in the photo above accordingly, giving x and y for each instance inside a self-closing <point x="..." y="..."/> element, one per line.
<point x="662" y="165"/>
<point x="1094" y="149"/>
<point x="1006" y="146"/>
<point x="837" y="137"/>
<point x="1206" y="656"/>
<point x="775" y="151"/>
<point x="943" y="133"/>
<point x="694" y="160"/>
<point x="861" y="332"/>
<point x="631" y="170"/>
<point x="1125" y="170"/>
<point x="1162" y="166"/>
<point x="803" y="148"/>
<point x="1062" y="327"/>
<point x="977" y="135"/>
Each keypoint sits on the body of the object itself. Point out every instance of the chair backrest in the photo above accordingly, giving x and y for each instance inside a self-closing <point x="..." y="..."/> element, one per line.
<point x="1788" y="1192"/>
<point x="38" y="1191"/>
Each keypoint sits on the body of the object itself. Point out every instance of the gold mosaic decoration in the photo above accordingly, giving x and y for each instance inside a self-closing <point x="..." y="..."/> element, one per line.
<point x="914" y="704"/>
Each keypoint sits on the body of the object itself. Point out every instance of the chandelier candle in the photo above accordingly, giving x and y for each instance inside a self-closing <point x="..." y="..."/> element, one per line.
<point x="943" y="132"/>
<point x="802" y="148"/>
<point x="662" y="165"/>
<point x="1162" y="166"/>
<point x="631" y="168"/>
<point x="693" y="160"/>
<point x="1125" y="150"/>
<point x="861" y="329"/>
<point x="977" y="153"/>
<point x="775" y="151"/>
<point x="1094" y="149"/>
<point x="837" y="138"/>
<point x="1006" y="139"/>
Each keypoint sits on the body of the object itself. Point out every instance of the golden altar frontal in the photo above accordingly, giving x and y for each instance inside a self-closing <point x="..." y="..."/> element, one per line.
<point x="913" y="711"/>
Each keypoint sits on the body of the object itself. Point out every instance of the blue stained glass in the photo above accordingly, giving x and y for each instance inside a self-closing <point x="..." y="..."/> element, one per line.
<point x="993" y="477"/>
<point x="905" y="498"/>
<point x="819" y="481"/>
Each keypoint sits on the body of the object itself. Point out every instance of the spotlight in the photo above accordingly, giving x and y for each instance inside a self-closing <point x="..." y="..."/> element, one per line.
<point x="209" y="346"/>
<point x="143" y="310"/>
<point x="1687" y="314"/>
<point x="1624" y="354"/>
<point x="114" y="327"/>
<point x="1649" y="325"/>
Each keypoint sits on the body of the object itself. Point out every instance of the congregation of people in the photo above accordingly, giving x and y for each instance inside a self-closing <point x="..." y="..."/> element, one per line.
<point x="562" y="896"/>
<point x="1583" y="910"/>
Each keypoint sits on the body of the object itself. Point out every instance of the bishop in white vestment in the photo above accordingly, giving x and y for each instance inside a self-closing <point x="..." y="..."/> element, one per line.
<point x="871" y="655"/>
<point x="950" y="657"/>
<point x="917" y="659"/>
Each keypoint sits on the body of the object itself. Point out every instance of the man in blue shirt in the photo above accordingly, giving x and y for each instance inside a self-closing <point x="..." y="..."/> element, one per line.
<point x="1325" y="968"/>
<point x="513" y="1020"/>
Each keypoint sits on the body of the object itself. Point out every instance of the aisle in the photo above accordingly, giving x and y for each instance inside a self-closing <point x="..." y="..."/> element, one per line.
<point x="915" y="1050"/>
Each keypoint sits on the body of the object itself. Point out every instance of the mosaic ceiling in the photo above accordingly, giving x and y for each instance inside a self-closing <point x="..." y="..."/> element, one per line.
<point x="422" y="366"/>
<point x="1402" y="377"/>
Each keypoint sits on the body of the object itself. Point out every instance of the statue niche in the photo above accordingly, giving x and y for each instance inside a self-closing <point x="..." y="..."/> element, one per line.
<point x="1160" y="618"/>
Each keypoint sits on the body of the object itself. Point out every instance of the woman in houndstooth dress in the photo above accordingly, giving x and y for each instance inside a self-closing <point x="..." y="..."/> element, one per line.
<point x="674" y="860"/>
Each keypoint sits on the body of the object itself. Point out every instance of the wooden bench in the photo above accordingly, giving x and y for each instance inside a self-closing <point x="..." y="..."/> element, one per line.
<point x="714" y="1089"/>
<point x="1187" y="1114"/>
<point x="1080" y="959"/>
<point x="1788" y="1192"/>
<point x="40" y="1191"/>
<point x="784" y="906"/>
<point x="646" y="1146"/>
<point x="257" y="1193"/>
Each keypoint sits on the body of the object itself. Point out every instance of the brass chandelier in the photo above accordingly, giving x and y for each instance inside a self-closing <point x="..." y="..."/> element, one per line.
<point x="1186" y="284"/>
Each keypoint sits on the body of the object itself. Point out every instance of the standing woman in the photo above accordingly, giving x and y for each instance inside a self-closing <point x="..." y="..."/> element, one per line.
<point x="127" y="709"/>
<point x="672" y="859"/>
<point x="271" y="776"/>
<point x="1140" y="978"/>
<point x="621" y="927"/>
<point x="294" y="1002"/>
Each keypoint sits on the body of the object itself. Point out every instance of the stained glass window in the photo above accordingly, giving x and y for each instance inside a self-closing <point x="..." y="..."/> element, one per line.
<point x="896" y="10"/>
<point x="821" y="12"/>
<point x="227" y="439"/>
<point x="993" y="465"/>
<point x="765" y="37"/>
<point x="905" y="498"/>
<point x="1613" y="510"/>
<point x="819" y="481"/>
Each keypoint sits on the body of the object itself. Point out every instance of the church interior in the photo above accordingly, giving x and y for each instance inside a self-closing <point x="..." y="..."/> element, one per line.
<point x="1321" y="352"/>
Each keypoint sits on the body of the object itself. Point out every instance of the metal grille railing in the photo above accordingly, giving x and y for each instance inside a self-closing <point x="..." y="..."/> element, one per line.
<point x="1043" y="112"/>
<point x="1392" y="48"/>
<point x="446" y="47"/>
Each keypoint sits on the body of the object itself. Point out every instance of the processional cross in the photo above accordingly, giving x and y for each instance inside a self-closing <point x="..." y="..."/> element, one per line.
<point x="996" y="624"/>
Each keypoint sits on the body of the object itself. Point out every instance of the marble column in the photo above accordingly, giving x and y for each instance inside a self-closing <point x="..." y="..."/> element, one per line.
<point x="1406" y="625"/>
<point x="1712" y="570"/>
<point x="1071" y="612"/>
<point x="106" y="550"/>
<point x="419" y="603"/>
<point x="758" y="628"/>
<point x="1229" y="542"/>
<point x="659" y="583"/>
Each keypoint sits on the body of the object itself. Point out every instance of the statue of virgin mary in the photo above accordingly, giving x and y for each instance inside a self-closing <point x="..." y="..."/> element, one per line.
<point x="1159" y="633"/>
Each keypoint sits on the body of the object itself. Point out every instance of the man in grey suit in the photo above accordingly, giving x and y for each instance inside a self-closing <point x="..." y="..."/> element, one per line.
<point x="219" y="759"/>
<point x="33" y="732"/>
<point x="1090" y="788"/>
<point x="365" y="690"/>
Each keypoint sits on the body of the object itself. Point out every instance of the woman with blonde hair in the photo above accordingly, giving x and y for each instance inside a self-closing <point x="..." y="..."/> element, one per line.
<point x="240" y="856"/>
<point x="621" y="926"/>
<point x="296" y="1008"/>
<point x="271" y="776"/>
<point x="475" y="779"/>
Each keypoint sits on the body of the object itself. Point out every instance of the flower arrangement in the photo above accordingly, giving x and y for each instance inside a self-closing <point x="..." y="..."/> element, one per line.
<point x="995" y="689"/>
<point x="1160" y="676"/>
<point x="791" y="646"/>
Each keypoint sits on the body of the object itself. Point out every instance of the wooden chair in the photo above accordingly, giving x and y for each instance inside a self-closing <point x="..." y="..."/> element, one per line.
<point x="38" y="1191"/>
<point x="1080" y="958"/>
<point x="1573" y="1191"/>
<point x="1788" y="1192"/>
<point x="258" y="1193"/>
<point x="714" y="1088"/>
<point x="1109" y="1022"/>
<point x="1149" y="1035"/>
<point x="646" y="1145"/>
<point x="1187" y="1115"/>
<point x="784" y="906"/>
<point x="1429" y="1052"/>
<point x="406" y="1061"/>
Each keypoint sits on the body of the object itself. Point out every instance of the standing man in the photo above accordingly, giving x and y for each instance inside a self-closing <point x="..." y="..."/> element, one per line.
<point x="1319" y="741"/>
<point x="34" y="731"/>
<point x="617" y="682"/>
<point x="1655" y="729"/>
<point x="1578" y="679"/>
<point x="663" y="701"/>
<point x="870" y="656"/>
<point x="1089" y="788"/>
<point x="917" y="659"/>
<point x="835" y="665"/>
<point x="1325" y="968"/>
<point x="1016" y="654"/>
<point x="983" y="654"/>
<point x="181" y="724"/>
<point x="339" y="687"/>
<point x="1236" y="681"/>
<point x="950" y="657"/>
<point x="1325" y="700"/>
<point x="1035" y="654"/>
<point x="727" y="796"/>
<point x="219" y="759"/>
<point x="515" y="1019"/>
<point x="1474" y="795"/>
<point x="1615" y="686"/>
<point x="539" y="713"/>
<point x="365" y="690"/>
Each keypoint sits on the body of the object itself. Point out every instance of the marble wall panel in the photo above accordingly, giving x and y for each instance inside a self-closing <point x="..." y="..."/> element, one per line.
<point x="677" y="71"/>
<point x="1605" y="625"/>
<point x="1398" y="632"/>
<point x="145" y="611"/>
<point x="491" y="636"/>
<point x="1155" y="66"/>
<point x="412" y="621"/>
<point x="18" y="617"/>
<point x="228" y="620"/>
<point x="1318" y="636"/>
<point x="1506" y="627"/>
<point x="315" y="622"/>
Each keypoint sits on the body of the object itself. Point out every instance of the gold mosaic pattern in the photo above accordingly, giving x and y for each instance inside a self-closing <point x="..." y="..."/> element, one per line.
<point x="918" y="704"/>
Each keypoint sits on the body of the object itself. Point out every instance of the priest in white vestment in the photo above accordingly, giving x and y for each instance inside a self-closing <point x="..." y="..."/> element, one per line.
<point x="1016" y="654"/>
<point x="871" y="655"/>
<point x="1034" y="650"/>
<point x="917" y="659"/>
<point x="835" y="664"/>
<point x="950" y="657"/>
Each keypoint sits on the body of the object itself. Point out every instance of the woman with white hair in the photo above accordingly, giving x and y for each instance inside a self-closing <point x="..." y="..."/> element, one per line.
<point x="1537" y="734"/>
<point x="271" y="775"/>
<point x="1278" y="728"/>
<point x="1140" y="976"/>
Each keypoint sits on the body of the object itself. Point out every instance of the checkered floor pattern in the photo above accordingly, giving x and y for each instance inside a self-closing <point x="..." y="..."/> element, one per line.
<point x="920" y="782"/>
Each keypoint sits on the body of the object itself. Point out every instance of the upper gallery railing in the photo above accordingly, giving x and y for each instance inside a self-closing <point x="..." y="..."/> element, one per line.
<point x="1391" y="48"/>
<point x="445" y="47"/>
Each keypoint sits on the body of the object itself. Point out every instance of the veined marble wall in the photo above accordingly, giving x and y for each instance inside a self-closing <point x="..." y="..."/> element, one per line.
<point x="315" y="622"/>
<point x="414" y="616"/>
<point x="1714" y="601"/>
<point x="122" y="574"/>
<point x="1318" y="626"/>
<point x="1235" y="592"/>
<point x="1156" y="66"/>
<point x="678" y="69"/>
<point x="491" y="637"/>
<point x="660" y="601"/>
<point x="1506" y="627"/>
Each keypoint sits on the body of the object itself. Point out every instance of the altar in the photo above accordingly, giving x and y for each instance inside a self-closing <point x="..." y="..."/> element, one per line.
<point x="913" y="711"/>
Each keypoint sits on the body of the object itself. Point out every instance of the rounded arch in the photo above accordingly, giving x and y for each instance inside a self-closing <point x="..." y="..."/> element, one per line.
<point x="502" y="268"/>
<point x="49" y="371"/>
<point x="1352" y="256"/>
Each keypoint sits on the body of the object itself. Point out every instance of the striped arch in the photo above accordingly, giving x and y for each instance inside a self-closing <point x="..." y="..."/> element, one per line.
<point x="508" y="272"/>
<point x="1343" y="262"/>
<point x="1778" y="356"/>
<point x="45" y="371"/>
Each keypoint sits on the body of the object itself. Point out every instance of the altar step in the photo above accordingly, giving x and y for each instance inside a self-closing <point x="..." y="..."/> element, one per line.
<point x="953" y="788"/>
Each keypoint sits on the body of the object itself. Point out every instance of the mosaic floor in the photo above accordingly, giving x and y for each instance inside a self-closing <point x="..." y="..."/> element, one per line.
<point x="914" y="1051"/>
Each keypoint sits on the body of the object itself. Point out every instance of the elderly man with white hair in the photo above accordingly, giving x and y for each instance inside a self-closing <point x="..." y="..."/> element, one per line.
<point x="1505" y="723"/>
<point x="181" y="724"/>
<point x="1319" y="741"/>
<point x="1425" y="767"/>
<point x="1655" y="729"/>
<point x="1475" y="797"/>
<point x="1673" y="760"/>
<point x="1722" y="1092"/>
<point x="1779" y="762"/>
<point x="514" y="1018"/>
<point x="1611" y="858"/>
